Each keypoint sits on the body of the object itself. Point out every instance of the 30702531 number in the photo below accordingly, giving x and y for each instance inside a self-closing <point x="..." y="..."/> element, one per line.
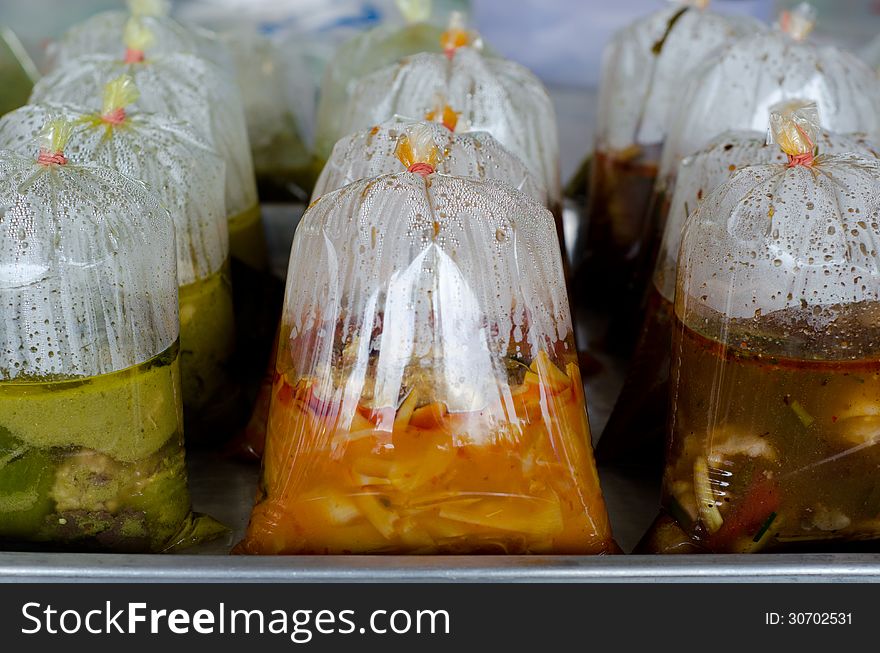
<point x="808" y="618"/>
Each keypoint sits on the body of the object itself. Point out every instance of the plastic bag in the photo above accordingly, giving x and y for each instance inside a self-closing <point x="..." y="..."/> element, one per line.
<point x="91" y="435"/>
<point x="635" y="431"/>
<point x="374" y="152"/>
<point x="187" y="176"/>
<point x="427" y="396"/>
<point x="102" y="34"/>
<point x="775" y="358"/>
<point x="186" y="88"/>
<point x="364" y="54"/>
<point x="17" y="72"/>
<point x="643" y="68"/>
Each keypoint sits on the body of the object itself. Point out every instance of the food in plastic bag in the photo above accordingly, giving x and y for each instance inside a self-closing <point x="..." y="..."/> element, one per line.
<point x="184" y="87"/>
<point x="635" y="431"/>
<point x="374" y="152"/>
<point x="102" y="34"/>
<point x="279" y="105"/>
<point x="187" y="176"/>
<point x="491" y="94"/>
<point x="642" y="71"/>
<point x="776" y="366"/>
<point x="91" y="435"/>
<point x="17" y="72"/>
<point x="364" y="54"/>
<point x="427" y="397"/>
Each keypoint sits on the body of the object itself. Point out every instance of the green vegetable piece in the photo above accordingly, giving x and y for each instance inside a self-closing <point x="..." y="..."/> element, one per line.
<point x="26" y="477"/>
<point x="802" y="414"/>
<point x="764" y="528"/>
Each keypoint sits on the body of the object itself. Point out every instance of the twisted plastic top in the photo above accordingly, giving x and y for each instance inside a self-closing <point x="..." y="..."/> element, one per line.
<point x="794" y="126"/>
<point x="444" y="114"/>
<point x="52" y="139"/>
<point x="799" y="22"/>
<point x="149" y="7"/>
<point x="137" y="38"/>
<point x="414" y="11"/>
<point x="416" y="150"/>
<point x="458" y="36"/>
<point x="118" y="94"/>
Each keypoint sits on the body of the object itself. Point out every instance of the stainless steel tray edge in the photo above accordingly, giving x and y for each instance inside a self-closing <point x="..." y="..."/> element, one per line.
<point x="90" y="568"/>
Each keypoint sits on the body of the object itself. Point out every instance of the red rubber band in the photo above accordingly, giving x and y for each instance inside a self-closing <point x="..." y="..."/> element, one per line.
<point x="47" y="158"/>
<point x="800" y="160"/>
<point x="423" y="169"/>
<point x="805" y="159"/>
<point x="115" y="117"/>
<point x="134" y="56"/>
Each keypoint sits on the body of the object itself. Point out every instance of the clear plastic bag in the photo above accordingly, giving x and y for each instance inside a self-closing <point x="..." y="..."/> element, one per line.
<point x="643" y="68"/>
<point x="374" y="152"/>
<point x="91" y="435"/>
<point x="476" y="155"/>
<point x="187" y="176"/>
<point x="364" y="54"/>
<point x="635" y="430"/>
<point x="427" y="397"/>
<point x="184" y="87"/>
<point x="17" y="72"/>
<point x="775" y="357"/>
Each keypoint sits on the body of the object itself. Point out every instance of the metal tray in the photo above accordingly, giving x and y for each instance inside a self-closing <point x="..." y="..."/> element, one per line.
<point x="225" y="489"/>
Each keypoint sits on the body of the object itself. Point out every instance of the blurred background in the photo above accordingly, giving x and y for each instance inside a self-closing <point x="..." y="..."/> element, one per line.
<point x="561" y="40"/>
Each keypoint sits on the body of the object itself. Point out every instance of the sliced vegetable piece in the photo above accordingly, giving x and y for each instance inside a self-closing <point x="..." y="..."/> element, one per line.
<point x="709" y="513"/>
<point x="336" y="508"/>
<point x="525" y="515"/>
<point x="550" y="375"/>
<point x="801" y="412"/>
<point x="372" y="471"/>
<point x="376" y="509"/>
<point x="430" y="416"/>
<point x="764" y="528"/>
<point x="404" y="413"/>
